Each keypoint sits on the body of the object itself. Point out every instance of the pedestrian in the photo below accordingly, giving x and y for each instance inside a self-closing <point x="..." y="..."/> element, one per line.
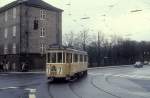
<point x="23" y="66"/>
<point x="1" y="67"/>
<point x="4" y="67"/>
<point x="14" y="67"/>
<point x="7" y="66"/>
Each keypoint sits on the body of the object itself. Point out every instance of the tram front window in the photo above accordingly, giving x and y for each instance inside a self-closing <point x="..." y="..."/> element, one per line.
<point x="55" y="57"/>
<point x="51" y="57"/>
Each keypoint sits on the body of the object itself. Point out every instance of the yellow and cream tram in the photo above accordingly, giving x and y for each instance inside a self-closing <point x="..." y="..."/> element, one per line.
<point x="65" y="63"/>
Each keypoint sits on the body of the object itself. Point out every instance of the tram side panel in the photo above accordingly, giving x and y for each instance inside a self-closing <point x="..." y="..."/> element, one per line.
<point x="78" y="67"/>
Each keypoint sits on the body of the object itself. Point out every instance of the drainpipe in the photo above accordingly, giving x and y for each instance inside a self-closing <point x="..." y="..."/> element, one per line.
<point x="20" y="35"/>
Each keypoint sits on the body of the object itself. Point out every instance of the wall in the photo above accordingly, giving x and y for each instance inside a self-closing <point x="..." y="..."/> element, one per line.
<point x="9" y="25"/>
<point x="52" y="23"/>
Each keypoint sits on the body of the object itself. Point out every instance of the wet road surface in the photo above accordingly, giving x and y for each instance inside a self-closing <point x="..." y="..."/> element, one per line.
<point x="107" y="82"/>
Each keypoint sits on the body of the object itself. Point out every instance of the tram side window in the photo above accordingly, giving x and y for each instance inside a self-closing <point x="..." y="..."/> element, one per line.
<point x="75" y="58"/>
<point x="48" y="57"/>
<point x="64" y="57"/>
<point x="81" y="58"/>
<point x="85" y="58"/>
<point x="59" y="57"/>
<point x="69" y="58"/>
<point x="53" y="58"/>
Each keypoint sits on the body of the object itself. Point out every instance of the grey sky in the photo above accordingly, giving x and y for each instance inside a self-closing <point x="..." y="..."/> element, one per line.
<point x="107" y="16"/>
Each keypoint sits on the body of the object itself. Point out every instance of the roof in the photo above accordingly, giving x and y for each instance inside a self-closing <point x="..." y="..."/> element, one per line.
<point x="64" y="48"/>
<point x="32" y="3"/>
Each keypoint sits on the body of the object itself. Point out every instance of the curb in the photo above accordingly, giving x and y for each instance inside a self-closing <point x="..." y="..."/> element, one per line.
<point x="110" y="67"/>
<point x="22" y="72"/>
<point x="43" y="72"/>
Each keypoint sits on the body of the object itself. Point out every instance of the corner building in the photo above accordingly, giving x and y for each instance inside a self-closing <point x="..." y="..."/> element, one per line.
<point x="27" y="28"/>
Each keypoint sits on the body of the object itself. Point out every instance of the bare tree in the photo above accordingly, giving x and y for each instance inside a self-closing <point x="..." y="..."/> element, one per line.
<point x="83" y="39"/>
<point x="116" y="39"/>
<point x="69" y="39"/>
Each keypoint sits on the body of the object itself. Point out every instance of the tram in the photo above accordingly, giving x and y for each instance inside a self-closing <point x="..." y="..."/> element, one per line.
<point x="65" y="63"/>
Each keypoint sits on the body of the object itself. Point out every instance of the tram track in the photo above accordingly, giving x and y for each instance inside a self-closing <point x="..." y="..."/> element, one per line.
<point x="49" y="91"/>
<point x="101" y="89"/>
<point x="71" y="88"/>
<point x="67" y="85"/>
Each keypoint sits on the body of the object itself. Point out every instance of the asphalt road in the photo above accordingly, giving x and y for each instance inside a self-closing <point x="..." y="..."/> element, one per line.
<point x="107" y="82"/>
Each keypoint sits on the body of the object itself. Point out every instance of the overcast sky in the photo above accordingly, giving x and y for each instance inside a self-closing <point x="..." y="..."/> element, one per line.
<point x="127" y="18"/>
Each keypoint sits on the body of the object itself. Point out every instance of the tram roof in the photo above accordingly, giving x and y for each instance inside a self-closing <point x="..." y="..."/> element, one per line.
<point x="63" y="48"/>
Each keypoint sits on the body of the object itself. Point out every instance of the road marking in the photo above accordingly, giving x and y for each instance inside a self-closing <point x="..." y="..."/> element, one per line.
<point x="108" y="74"/>
<point x="5" y="88"/>
<point x="122" y="75"/>
<point x="3" y="74"/>
<point x="95" y="74"/>
<point x="132" y="76"/>
<point x="32" y="92"/>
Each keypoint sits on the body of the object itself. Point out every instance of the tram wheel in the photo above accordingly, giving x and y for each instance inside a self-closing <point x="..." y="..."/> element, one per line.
<point x="73" y="78"/>
<point x="51" y="79"/>
<point x="85" y="73"/>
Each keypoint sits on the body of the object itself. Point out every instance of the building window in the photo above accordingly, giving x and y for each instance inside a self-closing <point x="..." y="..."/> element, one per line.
<point x="14" y="48"/>
<point x="43" y="14"/>
<point x="42" y="48"/>
<point x="6" y="33"/>
<point x="35" y="24"/>
<point x="6" y="16"/>
<point x="14" y="13"/>
<point x="43" y="31"/>
<point x="5" y="49"/>
<point x="14" y="31"/>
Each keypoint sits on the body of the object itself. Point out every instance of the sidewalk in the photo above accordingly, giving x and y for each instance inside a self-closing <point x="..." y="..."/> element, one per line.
<point x="30" y="72"/>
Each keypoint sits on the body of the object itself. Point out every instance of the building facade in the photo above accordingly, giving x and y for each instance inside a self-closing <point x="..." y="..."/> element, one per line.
<point x="27" y="28"/>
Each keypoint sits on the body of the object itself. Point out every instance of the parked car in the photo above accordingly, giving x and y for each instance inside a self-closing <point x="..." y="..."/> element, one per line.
<point x="146" y="62"/>
<point x="138" y="64"/>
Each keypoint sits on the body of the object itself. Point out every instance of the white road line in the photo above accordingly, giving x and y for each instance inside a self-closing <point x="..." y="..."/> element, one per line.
<point x="132" y="76"/>
<point x="31" y="92"/>
<point x="95" y="74"/>
<point x="108" y="74"/>
<point x="3" y="74"/>
<point x="5" y="88"/>
<point x="122" y="75"/>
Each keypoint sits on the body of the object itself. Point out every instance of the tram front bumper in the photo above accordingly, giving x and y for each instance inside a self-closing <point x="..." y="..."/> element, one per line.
<point x="55" y="75"/>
